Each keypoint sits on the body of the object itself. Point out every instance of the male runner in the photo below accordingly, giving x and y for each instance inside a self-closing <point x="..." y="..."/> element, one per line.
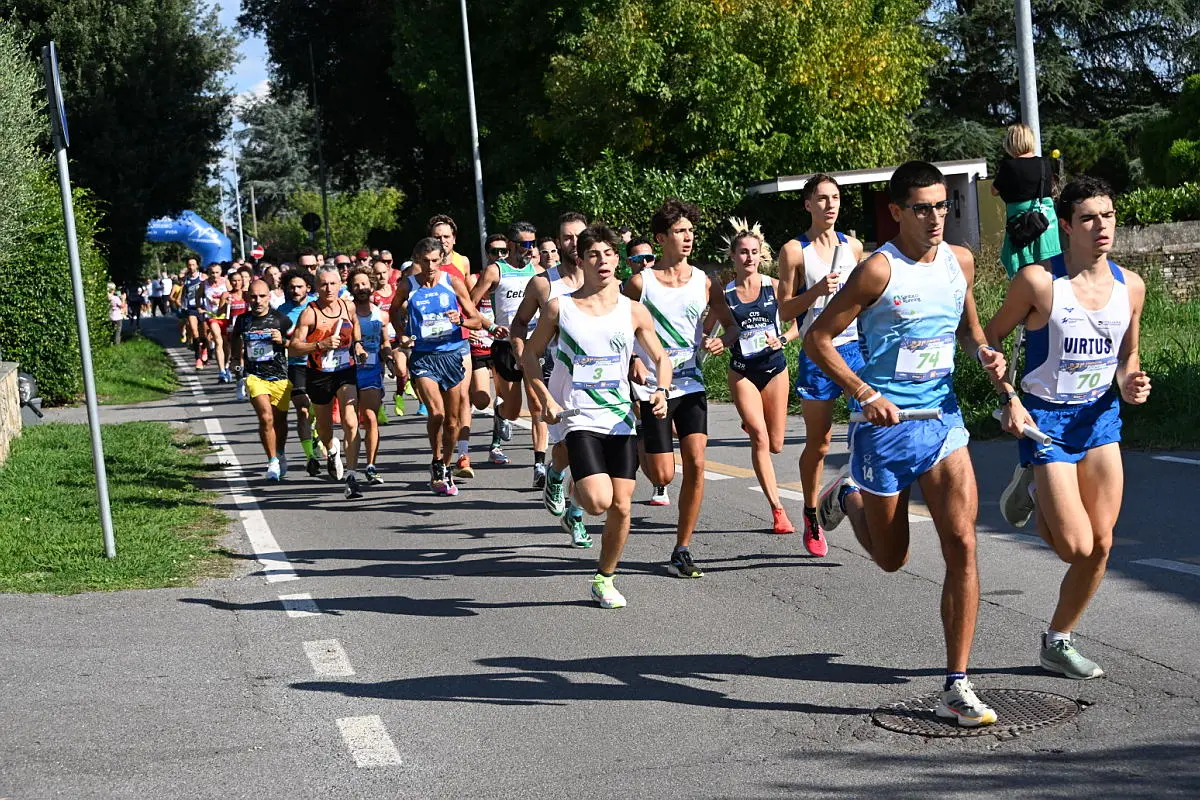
<point x="373" y="322"/>
<point x="508" y="285"/>
<point x="328" y="333"/>
<point x="1082" y="316"/>
<point x="812" y="267"/>
<point x="912" y="299"/>
<point x="676" y="294"/>
<point x="483" y="345"/>
<point x="548" y="252"/>
<point x="593" y="329"/>
<point x="258" y="349"/>
<point x="640" y="254"/>
<point x="299" y="294"/>
<point x="189" y="310"/>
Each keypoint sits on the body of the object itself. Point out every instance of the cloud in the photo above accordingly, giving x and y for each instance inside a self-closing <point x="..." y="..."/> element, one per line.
<point x="255" y="93"/>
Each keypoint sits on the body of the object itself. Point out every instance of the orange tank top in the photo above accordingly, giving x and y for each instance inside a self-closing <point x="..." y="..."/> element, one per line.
<point x="323" y="327"/>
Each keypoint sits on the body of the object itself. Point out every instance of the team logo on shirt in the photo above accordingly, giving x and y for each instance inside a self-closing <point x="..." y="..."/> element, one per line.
<point x="693" y="312"/>
<point x="443" y="301"/>
<point x="618" y="343"/>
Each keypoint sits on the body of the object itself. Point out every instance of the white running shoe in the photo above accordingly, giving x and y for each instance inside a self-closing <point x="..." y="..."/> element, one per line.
<point x="829" y="511"/>
<point x="1015" y="503"/>
<point x="960" y="703"/>
<point x="273" y="472"/>
<point x="333" y="463"/>
<point x="659" y="497"/>
<point x="283" y="465"/>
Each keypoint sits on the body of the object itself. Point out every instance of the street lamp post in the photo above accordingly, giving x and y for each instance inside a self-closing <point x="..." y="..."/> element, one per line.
<point x="474" y="138"/>
<point x="1027" y="72"/>
<point x="237" y="199"/>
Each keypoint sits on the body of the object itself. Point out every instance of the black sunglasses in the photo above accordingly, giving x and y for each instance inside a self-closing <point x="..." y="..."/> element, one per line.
<point x="645" y="258"/>
<point x="498" y="251"/>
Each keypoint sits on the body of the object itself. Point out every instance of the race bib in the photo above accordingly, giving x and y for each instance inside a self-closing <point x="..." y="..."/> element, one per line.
<point x="435" y="326"/>
<point x="596" y="372"/>
<point x="335" y="360"/>
<point x="1085" y="379"/>
<point x="925" y="359"/>
<point x="260" y="349"/>
<point x="371" y="360"/>
<point x="754" y="341"/>
<point x="683" y="361"/>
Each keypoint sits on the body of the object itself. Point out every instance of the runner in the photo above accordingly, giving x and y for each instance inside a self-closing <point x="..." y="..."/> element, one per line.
<point x="548" y="257"/>
<point x="676" y="294"/>
<point x="812" y="267"/>
<point x="438" y="305"/>
<point x="299" y="292"/>
<point x="912" y="298"/>
<point x="482" y="366"/>
<point x="640" y="254"/>
<point x="190" y="321"/>
<point x="327" y="332"/>
<point x="444" y="229"/>
<point x="748" y="310"/>
<point x="508" y="284"/>
<point x="1082" y="316"/>
<point x="216" y="315"/>
<point x="236" y="302"/>
<point x="373" y="324"/>
<point x="593" y="330"/>
<point x="258" y="347"/>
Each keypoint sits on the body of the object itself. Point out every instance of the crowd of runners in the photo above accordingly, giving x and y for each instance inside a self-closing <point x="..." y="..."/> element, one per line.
<point x="600" y="335"/>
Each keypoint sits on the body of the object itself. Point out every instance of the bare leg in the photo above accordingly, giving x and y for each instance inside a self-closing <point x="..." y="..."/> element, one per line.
<point x="691" y="493"/>
<point x="267" y="428"/>
<point x="818" y="430"/>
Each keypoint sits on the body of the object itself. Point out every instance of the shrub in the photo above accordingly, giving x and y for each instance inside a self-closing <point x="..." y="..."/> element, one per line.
<point x="1155" y="205"/>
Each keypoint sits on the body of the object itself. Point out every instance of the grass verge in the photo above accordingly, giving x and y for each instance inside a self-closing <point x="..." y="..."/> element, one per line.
<point x="166" y="528"/>
<point x="135" y="371"/>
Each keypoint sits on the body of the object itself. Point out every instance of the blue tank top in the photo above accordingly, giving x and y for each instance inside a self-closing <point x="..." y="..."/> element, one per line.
<point x="428" y="324"/>
<point x="371" y="326"/>
<point x="756" y="320"/>
<point x="190" y="284"/>
<point x="907" y="335"/>
<point x="292" y="312"/>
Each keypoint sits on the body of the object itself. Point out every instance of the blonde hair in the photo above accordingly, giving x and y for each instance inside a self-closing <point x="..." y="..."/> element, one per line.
<point x="1018" y="140"/>
<point x="742" y="229"/>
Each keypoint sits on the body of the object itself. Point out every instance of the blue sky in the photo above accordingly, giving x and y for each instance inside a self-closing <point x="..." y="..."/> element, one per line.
<point x="250" y="75"/>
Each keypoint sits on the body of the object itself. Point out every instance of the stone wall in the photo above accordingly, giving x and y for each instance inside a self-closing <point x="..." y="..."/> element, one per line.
<point x="10" y="407"/>
<point x="1171" y="250"/>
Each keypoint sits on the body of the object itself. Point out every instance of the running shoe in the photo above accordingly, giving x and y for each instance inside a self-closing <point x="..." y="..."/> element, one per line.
<point x="449" y="488"/>
<point x="496" y="456"/>
<point x="437" y="477"/>
<point x="313" y="467"/>
<point x="960" y="703"/>
<point x="554" y="495"/>
<point x="829" y="507"/>
<point x="605" y="594"/>
<point x="273" y="473"/>
<point x="814" y="537"/>
<point x="539" y="476"/>
<point x="659" y="497"/>
<point x="199" y="364"/>
<point x="576" y="529"/>
<point x="283" y="465"/>
<point x="204" y="355"/>
<point x="241" y="390"/>
<point x="372" y="475"/>
<point x="1062" y="657"/>
<point x="1015" y="503"/>
<point x="352" y="489"/>
<point x="462" y="467"/>
<point x="781" y="522"/>
<point x="505" y="430"/>
<point x="183" y="338"/>
<point x="681" y="564"/>
<point x="333" y="463"/>
<point x="398" y="404"/>
<point x="381" y="416"/>
<point x="422" y="411"/>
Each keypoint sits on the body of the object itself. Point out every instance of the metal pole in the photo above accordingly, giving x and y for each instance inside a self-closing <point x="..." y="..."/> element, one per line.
<point x="237" y="198"/>
<point x="1027" y="71"/>
<point x="474" y="139"/>
<point x="253" y="213"/>
<point x="312" y="68"/>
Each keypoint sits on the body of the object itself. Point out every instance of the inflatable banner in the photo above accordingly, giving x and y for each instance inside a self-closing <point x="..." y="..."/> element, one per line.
<point x="191" y="230"/>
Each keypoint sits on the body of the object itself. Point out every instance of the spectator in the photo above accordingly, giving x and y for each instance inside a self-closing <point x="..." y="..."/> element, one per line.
<point x="1025" y="183"/>
<point x="116" y="312"/>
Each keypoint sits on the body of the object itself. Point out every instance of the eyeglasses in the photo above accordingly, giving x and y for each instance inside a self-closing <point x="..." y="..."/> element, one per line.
<point x="498" y="251"/>
<point x="646" y="258"/>
<point x="925" y="209"/>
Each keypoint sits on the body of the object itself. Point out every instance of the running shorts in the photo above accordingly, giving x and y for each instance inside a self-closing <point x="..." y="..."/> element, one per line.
<point x="760" y="371"/>
<point x="370" y="378"/>
<point x="592" y="453"/>
<point x="813" y="384"/>
<point x="444" y="368"/>
<point x="280" y="391"/>
<point x="886" y="461"/>
<point x="481" y="361"/>
<point x="505" y="361"/>
<point x="323" y="386"/>
<point x="1074" y="429"/>
<point x="688" y="415"/>
<point x="298" y="376"/>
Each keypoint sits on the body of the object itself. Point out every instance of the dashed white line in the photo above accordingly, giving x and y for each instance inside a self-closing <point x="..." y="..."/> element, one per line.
<point x="272" y="558"/>
<point x="328" y="659"/>
<point x="368" y="741"/>
<point x="1020" y="538"/>
<point x="1178" y="460"/>
<point x="205" y="409"/>
<point x="299" y="605"/>
<point x="1174" y="566"/>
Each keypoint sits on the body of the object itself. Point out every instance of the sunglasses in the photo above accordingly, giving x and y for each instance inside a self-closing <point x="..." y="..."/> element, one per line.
<point x="385" y="261"/>
<point x="925" y="209"/>
<point x="528" y="245"/>
<point x="646" y="258"/>
<point x="498" y="251"/>
<point x="548" y="252"/>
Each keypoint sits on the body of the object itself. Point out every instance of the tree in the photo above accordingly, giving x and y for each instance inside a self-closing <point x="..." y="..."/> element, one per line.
<point x="1171" y="143"/>
<point x="278" y="151"/>
<point x="146" y="104"/>
<point x="356" y="219"/>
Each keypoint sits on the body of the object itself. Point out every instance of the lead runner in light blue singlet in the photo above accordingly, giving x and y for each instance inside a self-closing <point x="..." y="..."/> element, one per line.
<point x="1081" y="313"/>
<point x="913" y="301"/>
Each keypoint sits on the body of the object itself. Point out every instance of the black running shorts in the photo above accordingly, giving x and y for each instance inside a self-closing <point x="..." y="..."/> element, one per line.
<point x="687" y="414"/>
<point x="592" y="453"/>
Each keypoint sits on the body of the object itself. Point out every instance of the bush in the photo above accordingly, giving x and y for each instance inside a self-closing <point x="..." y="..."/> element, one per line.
<point x="1156" y="205"/>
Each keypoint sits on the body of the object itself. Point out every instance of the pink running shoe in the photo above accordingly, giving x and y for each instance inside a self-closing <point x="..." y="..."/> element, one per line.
<point x="814" y="538"/>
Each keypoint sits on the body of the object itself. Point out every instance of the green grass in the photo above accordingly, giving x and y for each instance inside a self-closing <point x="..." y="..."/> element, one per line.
<point x="166" y="527"/>
<point x="135" y="371"/>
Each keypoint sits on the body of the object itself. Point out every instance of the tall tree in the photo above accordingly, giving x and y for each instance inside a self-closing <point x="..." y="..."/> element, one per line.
<point x="146" y="103"/>
<point x="278" y="152"/>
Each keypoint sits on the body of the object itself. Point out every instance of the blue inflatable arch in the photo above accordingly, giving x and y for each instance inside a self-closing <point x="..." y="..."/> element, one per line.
<point x="190" y="229"/>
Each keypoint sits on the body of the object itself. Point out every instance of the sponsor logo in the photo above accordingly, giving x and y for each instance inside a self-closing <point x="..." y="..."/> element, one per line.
<point x="618" y="343"/>
<point x="1086" y="346"/>
<point x="693" y="312"/>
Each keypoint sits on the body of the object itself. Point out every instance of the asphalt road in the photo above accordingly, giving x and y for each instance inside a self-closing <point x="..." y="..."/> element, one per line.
<point x="446" y="647"/>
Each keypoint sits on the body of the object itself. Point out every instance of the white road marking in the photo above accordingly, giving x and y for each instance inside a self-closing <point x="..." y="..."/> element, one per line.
<point x="300" y="605"/>
<point x="1177" y="460"/>
<point x="272" y="558"/>
<point x="708" y="476"/>
<point x="1174" y="566"/>
<point x="328" y="658"/>
<point x="1020" y="538"/>
<point x="369" y="741"/>
<point x="205" y="409"/>
<point x="799" y="497"/>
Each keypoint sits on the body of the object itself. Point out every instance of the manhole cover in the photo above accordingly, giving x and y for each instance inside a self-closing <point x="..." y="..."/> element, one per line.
<point x="1018" y="711"/>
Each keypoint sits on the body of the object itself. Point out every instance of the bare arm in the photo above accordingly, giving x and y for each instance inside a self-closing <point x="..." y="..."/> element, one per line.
<point x="471" y="319"/>
<point x="791" y="264"/>
<point x="643" y="329"/>
<point x="537" y="344"/>
<point x="1134" y="384"/>
<point x="299" y="344"/>
<point x="485" y="283"/>
<point x="536" y="292"/>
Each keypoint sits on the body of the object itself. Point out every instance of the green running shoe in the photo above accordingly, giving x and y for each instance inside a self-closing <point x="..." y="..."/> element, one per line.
<point x="1062" y="657"/>
<point x="575" y="528"/>
<point x="604" y="593"/>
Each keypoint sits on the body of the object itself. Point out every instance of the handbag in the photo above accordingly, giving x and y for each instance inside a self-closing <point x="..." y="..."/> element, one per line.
<point x="1024" y="229"/>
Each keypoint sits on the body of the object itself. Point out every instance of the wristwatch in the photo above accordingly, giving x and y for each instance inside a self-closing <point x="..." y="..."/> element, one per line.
<point x="1007" y="397"/>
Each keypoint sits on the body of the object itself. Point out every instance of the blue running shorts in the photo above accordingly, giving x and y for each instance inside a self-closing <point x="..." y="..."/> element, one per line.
<point x="1075" y="429"/>
<point x="813" y="384"/>
<point x="886" y="461"/>
<point x="444" y="367"/>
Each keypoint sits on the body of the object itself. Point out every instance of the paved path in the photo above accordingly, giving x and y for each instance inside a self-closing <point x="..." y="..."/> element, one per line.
<point x="406" y="645"/>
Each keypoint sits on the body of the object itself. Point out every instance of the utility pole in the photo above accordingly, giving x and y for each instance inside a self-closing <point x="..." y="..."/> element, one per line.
<point x="474" y="139"/>
<point x="1026" y="68"/>
<point x="237" y="195"/>
<point x="253" y="213"/>
<point x="312" y="68"/>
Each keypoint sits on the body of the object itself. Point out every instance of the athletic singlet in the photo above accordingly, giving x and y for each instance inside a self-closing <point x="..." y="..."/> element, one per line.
<point x="371" y="326"/>
<point x="483" y="345"/>
<point x="678" y="315"/>
<point x="510" y="291"/>
<point x="428" y="321"/>
<point x="277" y="298"/>
<point x="815" y="270"/>
<point x="190" y="285"/>
<point x="1072" y="359"/>
<point x="384" y="303"/>
<point x="323" y="327"/>
<point x="591" y="367"/>
<point x="214" y="294"/>
<point x="907" y="335"/>
<point x="757" y="320"/>
<point x="458" y="270"/>
<point x="237" y="305"/>
<point x="292" y="311"/>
